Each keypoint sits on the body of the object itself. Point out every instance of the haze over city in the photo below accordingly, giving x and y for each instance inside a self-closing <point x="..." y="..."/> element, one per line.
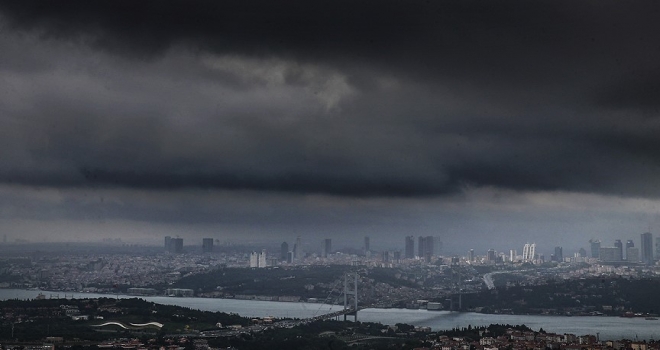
<point x="485" y="124"/>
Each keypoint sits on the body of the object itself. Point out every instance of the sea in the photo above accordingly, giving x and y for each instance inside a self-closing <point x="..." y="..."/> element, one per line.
<point x="606" y="327"/>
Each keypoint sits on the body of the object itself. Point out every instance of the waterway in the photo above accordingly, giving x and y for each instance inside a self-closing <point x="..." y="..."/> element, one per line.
<point x="607" y="327"/>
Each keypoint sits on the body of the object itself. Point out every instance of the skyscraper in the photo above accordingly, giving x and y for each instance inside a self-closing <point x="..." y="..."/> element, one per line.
<point x="327" y="247"/>
<point x="425" y="248"/>
<point x="647" y="248"/>
<point x="618" y="245"/>
<point x="410" y="248"/>
<point x="559" y="254"/>
<point x="207" y="245"/>
<point x="262" y="258"/>
<point x="490" y="255"/>
<point x="529" y="252"/>
<point x="366" y="244"/>
<point x="298" y="249"/>
<point x="168" y="243"/>
<point x="284" y="251"/>
<point x="471" y="255"/>
<point x="632" y="255"/>
<point x="595" y="248"/>
<point x="176" y="245"/>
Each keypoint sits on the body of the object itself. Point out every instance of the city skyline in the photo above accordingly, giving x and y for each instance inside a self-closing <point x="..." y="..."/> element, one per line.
<point x="483" y="124"/>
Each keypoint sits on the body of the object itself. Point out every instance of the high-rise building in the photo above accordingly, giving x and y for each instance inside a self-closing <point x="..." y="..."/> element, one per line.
<point x="490" y="255"/>
<point x="284" y="251"/>
<point x="366" y="244"/>
<point x="425" y="248"/>
<point x="298" y="253"/>
<point x="559" y="254"/>
<point x="619" y="245"/>
<point x="207" y="245"/>
<point x="254" y="259"/>
<point x="327" y="247"/>
<point x="471" y="255"/>
<point x="168" y="243"/>
<point x="437" y="246"/>
<point x="263" y="258"/>
<point x="397" y="256"/>
<point x="529" y="252"/>
<point x="632" y="255"/>
<point x="610" y="254"/>
<point x="176" y="245"/>
<point x="582" y="253"/>
<point x="595" y="248"/>
<point x="513" y="255"/>
<point x="410" y="248"/>
<point x="647" y="248"/>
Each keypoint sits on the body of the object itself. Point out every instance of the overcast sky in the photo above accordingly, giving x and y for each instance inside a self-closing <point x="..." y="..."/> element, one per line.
<point x="486" y="123"/>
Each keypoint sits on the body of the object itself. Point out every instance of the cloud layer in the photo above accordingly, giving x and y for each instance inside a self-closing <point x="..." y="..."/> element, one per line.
<point x="359" y="99"/>
<point x="474" y="120"/>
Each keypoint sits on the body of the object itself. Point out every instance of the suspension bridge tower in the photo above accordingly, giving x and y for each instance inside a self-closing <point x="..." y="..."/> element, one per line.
<point x="351" y="289"/>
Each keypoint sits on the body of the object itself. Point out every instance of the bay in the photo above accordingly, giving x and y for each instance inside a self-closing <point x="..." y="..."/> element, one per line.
<point x="609" y="328"/>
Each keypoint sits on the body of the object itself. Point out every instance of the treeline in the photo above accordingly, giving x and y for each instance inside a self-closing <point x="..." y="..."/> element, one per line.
<point x="610" y="296"/>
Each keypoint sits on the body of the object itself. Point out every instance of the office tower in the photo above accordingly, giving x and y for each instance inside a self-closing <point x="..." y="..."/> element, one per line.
<point x="262" y="258"/>
<point x="529" y="252"/>
<point x="429" y="248"/>
<point x="471" y="255"/>
<point x="410" y="248"/>
<point x="425" y="248"/>
<point x="327" y="247"/>
<point x="168" y="243"/>
<point x="582" y="253"/>
<point x="619" y="245"/>
<point x="284" y="251"/>
<point x="289" y="257"/>
<point x="207" y="245"/>
<point x="176" y="245"/>
<point x="254" y="259"/>
<point x="610" y="254"/>
<point x="632" y="255"/>
<point x="490" y="255"/>
<point x="513" y="255"/>
<point x="630" y="244"/>
<point x="299" y="253"/>
<point x="437" y="246"/>
<point x="386" y="257"/>
<point x="595" y="248"/>
<point x="420" y="246"/>
<point x="397" y="256"/>
<point x="559" y="254"/>
<point x="366" y="244"/>
<point x="647" y="248"/>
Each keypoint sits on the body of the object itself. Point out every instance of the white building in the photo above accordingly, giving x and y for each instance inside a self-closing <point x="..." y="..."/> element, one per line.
<point x="529" y="251"/>
<point x="254" y="259"/>
<point x="258" y="259"/>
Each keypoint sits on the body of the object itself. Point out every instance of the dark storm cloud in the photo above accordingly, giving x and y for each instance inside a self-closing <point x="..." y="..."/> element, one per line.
<point x="363" y="98"/>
